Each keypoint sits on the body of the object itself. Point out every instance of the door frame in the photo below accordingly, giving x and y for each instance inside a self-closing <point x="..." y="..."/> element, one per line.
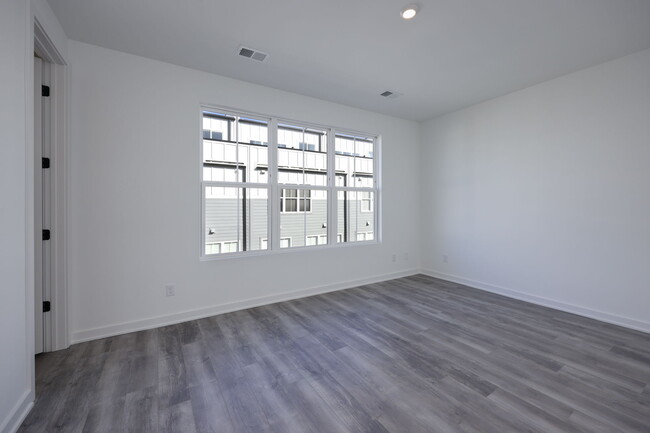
<point x="59" y="185"/>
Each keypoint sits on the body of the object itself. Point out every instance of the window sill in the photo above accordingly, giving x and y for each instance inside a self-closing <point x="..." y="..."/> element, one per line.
<point x="258" y="253"/>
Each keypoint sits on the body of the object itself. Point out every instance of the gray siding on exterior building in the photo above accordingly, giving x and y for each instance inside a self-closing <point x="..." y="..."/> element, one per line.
<point x="293" y="224"/>
<point x="221" y="217"/>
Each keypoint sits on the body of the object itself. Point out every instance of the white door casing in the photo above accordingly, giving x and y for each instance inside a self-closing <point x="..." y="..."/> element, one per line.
<point x="42" y="208"/>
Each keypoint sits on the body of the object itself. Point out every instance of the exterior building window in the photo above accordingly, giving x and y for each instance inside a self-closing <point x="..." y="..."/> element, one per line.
<point x="213" y="248"/>
<point x="284" y="243"/>
<point x="268" y="184"/>
<point x="221" y="247"/>
<point x="316" y="240"/>
<point x="366" y="201"/>
<point x="365" y="236"/>
<point x="293" y="200"/>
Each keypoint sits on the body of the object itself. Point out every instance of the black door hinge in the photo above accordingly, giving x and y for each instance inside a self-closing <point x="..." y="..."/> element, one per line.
<point x="45" y="162"/>
<point x="47" y="306"/>
<point x="45" y="91"/>
<point x="46" y="235"/>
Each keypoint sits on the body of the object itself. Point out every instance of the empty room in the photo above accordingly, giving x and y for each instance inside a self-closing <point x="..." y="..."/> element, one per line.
<point x="325" y="216"/>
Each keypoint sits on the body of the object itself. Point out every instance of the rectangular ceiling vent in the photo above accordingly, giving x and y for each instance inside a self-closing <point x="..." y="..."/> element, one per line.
<point x="249" y="53"/>
<point x="390" y="94"/>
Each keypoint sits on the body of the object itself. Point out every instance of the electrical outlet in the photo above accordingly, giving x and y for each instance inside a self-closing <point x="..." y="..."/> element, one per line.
<point x="445" y="258"/>
<point x="170" y="290"/>
<point x="394" y="257"/>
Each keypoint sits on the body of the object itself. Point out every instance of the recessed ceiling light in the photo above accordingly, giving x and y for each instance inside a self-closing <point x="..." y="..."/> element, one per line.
<point x="409" y="11"/>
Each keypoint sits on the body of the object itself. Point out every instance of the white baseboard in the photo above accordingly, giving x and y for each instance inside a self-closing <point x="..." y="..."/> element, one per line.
<point x="170" y="319"/>
<point x="626" y="322"/>
<point x="18" y="413"/>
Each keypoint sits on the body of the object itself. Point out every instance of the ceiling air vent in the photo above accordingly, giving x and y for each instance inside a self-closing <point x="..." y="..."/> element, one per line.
<point x="252" y="54"/>
<point x="390" y="94"/>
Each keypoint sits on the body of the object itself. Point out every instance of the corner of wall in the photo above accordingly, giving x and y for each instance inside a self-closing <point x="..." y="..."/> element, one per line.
<point x="613" y="319"/>
<point x="18" y="413"/>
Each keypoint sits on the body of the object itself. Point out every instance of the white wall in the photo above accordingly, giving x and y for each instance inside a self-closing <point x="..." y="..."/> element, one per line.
<point x="135" y="221"/>
<point x="16" y="193"/>
<point x="15" y="360"/>
<point x="544" y="194"/>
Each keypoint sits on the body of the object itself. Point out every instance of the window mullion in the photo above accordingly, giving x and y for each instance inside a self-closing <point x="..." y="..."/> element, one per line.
<point x="274" y="191"/>
<point x="332" y="198"/>
<point x="377" y="154"/>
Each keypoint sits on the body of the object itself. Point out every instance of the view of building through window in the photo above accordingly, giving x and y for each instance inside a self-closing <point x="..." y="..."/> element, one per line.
<point x="241" y="178"/>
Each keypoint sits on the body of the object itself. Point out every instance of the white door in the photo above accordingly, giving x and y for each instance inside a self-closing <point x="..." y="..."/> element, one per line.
<point x="42" y="206"/>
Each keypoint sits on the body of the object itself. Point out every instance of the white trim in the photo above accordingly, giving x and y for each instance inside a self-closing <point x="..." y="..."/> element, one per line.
<point x="170" y="319"/>
<point x="18" y="413"/>
<point x="273" y="206"/>
<point x="331" y="192"/>
<point x="602" y="316"/>
<point x="44" y="45"/>
<point x="22" y="407"/>
<point x="37" y="189"/>
<point x="59" y="179"/>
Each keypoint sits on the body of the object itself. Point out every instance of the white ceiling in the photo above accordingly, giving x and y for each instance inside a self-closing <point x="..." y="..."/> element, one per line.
<point x="455" y="53"/>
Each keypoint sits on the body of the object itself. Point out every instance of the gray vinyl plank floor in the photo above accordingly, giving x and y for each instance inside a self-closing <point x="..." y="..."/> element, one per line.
<point x="412" y="355"/>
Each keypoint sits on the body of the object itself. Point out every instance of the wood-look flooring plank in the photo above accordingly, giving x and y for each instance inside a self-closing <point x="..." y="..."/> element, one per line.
<point x="412" y="355"/>
<point x="178" y="418"/>
<point x="107" y="416"/>
<point x="141" y="411"/>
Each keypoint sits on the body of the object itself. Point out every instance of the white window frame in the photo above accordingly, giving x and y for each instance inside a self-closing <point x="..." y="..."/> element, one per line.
<point x="273" y="187"/>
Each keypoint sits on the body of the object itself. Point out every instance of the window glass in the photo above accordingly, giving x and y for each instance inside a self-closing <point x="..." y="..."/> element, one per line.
<point x="355" y="158"/>
<point x="236" y="143"/>
<point x="356" y="215"/>
<point x="304" y="217"/>
<point x="235" y="219"/>
<point x="302" y="155"/>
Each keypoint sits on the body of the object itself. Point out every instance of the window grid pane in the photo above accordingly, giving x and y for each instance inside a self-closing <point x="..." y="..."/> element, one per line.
<point x="302" y="155"/>
<point x="236" y="144"/>
<point x="307" y="226"/>
<point x="235" y="218"/>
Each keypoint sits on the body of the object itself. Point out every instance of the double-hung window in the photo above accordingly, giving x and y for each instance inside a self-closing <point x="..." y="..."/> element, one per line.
<point x="269" y="184"/>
